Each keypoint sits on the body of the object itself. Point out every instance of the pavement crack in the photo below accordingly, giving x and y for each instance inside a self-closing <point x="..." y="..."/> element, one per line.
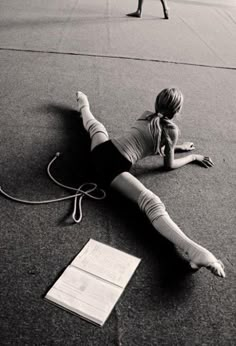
<point x="120" y="57"/>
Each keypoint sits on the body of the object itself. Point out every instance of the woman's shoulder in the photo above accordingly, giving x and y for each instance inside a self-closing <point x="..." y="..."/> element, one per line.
<point x="170" y="125"/>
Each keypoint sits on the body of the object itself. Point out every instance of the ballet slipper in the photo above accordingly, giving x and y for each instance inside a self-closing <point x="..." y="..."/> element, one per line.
<point x="82" y="100"/>
<point x="216" y="267"/>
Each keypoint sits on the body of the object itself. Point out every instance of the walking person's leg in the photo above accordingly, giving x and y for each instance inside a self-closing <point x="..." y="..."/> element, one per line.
<point x="137" y="13"/>
<point x="165" y="9"/>
<point x="155" y="210"/>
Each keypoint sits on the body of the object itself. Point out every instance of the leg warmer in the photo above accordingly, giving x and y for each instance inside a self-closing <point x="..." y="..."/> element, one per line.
<point x="93" y="126"/>
<point x="153" y="207"/>
<point x="155" y="210"/>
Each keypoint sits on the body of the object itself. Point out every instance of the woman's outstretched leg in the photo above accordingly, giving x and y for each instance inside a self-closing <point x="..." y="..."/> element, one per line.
<point x="97" y="131"/>
<point x="155" y="210"/>
<point x="138" y="13"/>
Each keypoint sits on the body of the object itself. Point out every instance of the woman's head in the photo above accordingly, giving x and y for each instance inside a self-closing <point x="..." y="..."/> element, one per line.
<point x="169" y="102"/>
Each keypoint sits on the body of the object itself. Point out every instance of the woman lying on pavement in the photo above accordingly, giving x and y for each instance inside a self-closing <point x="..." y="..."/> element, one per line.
<point x="152" y="133"/>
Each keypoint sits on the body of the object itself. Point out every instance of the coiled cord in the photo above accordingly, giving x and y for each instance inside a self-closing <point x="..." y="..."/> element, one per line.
<point x="86" y="189"/>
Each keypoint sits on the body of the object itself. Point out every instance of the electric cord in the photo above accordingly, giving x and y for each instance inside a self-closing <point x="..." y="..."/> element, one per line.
<point x="86" y="189"/>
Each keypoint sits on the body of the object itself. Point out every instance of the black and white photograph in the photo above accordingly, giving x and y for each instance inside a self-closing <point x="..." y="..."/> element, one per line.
<point x="117" y="172"/>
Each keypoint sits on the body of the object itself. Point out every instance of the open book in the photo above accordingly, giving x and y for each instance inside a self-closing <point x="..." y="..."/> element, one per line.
<point x="94" y="281"/>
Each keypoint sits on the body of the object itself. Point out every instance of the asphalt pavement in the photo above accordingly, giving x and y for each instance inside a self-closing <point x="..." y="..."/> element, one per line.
<point x="48" y="51"/>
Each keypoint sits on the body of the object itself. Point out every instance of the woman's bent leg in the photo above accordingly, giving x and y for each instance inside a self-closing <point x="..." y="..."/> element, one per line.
<point x="155" y="210"/>
<point x="97" y="131"/>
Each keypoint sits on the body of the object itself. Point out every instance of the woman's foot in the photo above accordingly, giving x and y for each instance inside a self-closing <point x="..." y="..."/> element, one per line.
<point x="82" y="100"/>
<point x="136" y="14"/>
<point x="166" y="13"/>
<point x="201" y="257"/>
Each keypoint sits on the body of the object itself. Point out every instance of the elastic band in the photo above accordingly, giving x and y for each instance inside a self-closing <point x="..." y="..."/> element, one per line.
<point x="86" y="189"/>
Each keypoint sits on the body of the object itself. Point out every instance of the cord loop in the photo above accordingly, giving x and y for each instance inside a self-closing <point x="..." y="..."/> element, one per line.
<point x="86" y="189"/>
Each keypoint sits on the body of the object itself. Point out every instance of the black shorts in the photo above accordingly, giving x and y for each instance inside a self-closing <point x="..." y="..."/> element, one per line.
<point x="106" y="163"/>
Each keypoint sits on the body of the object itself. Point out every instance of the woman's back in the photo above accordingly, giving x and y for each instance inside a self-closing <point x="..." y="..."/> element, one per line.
<point x="137" y="142"/>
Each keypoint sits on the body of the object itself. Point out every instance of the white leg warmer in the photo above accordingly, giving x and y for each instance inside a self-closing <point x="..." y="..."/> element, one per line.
<point x="153" y="207"/>
<point x="155" y="210"/>
<point x="93" y="126"/>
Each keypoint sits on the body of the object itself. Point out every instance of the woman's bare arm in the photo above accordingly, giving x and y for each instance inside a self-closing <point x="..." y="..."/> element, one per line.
<point x="170" y="162"/>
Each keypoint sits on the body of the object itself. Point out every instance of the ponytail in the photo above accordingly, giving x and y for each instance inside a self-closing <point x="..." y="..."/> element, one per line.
<point x="163" y="131"/>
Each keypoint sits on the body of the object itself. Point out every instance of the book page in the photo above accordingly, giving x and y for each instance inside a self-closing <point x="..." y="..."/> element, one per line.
<point x="84" y="294"/>
<point x="92" y="284"/>
<point x="106" y="262"/>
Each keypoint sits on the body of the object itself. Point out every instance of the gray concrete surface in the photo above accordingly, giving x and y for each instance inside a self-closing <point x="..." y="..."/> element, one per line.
<point x="48" y="50"/>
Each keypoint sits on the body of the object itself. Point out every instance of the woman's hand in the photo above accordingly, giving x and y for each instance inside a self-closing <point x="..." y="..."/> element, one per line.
<point x="187" y="146"/>
<point x="204" y="160"/>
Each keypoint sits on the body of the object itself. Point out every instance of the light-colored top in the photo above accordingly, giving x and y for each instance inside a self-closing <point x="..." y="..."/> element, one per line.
<point x="137" y="142"/>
